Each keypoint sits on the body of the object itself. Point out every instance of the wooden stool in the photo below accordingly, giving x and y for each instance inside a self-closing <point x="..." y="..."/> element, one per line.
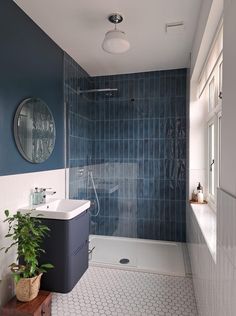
<point x="40" y="306"/>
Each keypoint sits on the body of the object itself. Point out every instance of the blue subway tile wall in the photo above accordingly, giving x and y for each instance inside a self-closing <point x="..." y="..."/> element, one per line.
<point x="133" y="142"/>
<point x="139" y="155"/>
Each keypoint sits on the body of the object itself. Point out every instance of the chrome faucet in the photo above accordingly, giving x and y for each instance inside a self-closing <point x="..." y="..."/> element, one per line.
<point x="45" y="192"/>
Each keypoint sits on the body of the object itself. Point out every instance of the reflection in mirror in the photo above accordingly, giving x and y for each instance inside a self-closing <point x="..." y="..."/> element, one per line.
<point x="34" y="130"/>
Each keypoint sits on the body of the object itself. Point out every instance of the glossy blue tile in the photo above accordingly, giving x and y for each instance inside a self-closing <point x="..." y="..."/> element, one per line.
<point x="181" y="169"/>
<point x="136" y="138"/>
<point x="180" y="103"/>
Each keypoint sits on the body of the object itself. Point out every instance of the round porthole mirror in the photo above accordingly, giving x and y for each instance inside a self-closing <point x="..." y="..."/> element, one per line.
<point x="34" y="130"/>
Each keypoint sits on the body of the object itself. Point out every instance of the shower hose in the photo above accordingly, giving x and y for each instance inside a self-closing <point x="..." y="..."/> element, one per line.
<point x="90" y="174"/>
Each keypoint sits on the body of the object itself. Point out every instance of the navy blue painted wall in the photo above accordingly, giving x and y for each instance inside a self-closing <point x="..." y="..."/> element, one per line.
<point x="140" y="144"/>
<point x="31" y="65"/>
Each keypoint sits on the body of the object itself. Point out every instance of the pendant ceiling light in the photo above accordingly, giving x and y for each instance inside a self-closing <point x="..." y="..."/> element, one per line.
<point x="115" y="41"/>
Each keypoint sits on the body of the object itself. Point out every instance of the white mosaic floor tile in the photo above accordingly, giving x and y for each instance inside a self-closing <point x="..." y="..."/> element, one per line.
<point x="113" y="292"/>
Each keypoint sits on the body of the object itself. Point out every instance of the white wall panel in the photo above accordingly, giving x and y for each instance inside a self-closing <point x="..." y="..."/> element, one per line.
<point x="214" y="283"/>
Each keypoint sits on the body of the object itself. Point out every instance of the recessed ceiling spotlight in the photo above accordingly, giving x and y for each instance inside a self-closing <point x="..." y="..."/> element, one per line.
<point x="115" y="41"/>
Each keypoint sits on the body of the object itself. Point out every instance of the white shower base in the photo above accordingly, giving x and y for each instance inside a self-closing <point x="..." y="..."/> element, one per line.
<point x="161" y="257"/>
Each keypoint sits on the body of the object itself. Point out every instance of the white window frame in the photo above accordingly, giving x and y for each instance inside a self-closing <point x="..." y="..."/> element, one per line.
<point x="219" y="116"/>
<point x="220" y="94"/>
<point x="211" y="164"/>
<point x="212" y="98"/>
<point x="214" y="117"/>
<point x="211" y="74"/>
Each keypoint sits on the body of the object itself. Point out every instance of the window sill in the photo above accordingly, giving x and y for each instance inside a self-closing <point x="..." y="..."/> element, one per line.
<point x="206" y="218"/>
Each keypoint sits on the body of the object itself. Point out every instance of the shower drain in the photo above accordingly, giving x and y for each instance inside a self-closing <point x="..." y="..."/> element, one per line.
<point x="124" y="261"/>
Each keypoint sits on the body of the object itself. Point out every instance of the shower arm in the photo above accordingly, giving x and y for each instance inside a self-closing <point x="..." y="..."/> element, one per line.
<point x="97" y="90"/>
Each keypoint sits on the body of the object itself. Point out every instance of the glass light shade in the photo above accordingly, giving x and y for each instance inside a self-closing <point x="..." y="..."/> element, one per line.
<point x="115" y="42"/>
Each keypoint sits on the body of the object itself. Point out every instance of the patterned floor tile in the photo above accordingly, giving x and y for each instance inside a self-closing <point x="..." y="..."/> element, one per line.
<point x="113" y="292"/>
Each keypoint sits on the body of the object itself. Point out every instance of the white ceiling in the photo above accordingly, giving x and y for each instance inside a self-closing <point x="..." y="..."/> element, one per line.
<point x="78" y="27"/>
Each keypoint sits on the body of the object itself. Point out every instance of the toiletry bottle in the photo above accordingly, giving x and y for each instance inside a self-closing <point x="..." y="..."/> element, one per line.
<point x="200" y="197"/>
<point x="36" y="197"/>
<point x="199" y="187"/>
<point x="194" y="195"/>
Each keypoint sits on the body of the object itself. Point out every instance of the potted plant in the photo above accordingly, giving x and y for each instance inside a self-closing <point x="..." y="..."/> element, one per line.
<point x="27" y="234"/>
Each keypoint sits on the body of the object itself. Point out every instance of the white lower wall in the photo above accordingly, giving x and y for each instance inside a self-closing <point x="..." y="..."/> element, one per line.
<point x="203" y="267"/>
<point x="15" y="192"/>
<point x="215" y="283"/>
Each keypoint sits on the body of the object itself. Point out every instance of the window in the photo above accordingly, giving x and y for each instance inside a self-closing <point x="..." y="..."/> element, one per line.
<point x="214" y="131"/>
<point x="219" y="147"/>
<point x="210" y="107"/>
<point x="220" y="79"/>
<point x="211" y="160"/>
<point x="212" y="95"/>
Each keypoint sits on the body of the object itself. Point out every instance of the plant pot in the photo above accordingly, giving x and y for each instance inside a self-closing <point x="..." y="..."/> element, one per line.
<point x="27" y="288"/>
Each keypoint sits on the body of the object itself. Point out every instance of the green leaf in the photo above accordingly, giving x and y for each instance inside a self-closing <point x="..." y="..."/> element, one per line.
<point x="16" y="277"/>
<point x="6" y="213"/>
<point x="47" y="266"/>
<point x="27" y="234"/>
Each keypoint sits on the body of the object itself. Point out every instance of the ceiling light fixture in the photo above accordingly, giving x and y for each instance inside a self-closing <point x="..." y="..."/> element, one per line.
<point x="115" y="41"/>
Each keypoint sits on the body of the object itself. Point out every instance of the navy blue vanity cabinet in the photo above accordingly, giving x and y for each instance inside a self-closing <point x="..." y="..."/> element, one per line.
<point x="67" y="250"/>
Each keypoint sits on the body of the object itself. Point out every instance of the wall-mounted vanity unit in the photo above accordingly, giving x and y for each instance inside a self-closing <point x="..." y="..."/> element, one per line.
<point x="67" y="246"/>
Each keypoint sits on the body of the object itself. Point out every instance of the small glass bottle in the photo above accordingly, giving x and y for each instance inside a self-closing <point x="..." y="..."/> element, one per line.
<point x="36" y="197"/>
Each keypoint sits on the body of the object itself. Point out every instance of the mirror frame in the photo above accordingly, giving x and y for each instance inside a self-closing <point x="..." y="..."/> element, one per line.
<point x="16" y="136"/>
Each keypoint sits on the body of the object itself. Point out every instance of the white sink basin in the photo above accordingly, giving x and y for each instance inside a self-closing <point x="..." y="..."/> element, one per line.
<point x="58" y="209"/>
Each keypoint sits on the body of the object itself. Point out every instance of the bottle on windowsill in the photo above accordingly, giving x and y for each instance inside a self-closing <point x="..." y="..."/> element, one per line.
<point x="200" y="197"/>
<point x="199" y="187"/>
<point x="194" y="195"/>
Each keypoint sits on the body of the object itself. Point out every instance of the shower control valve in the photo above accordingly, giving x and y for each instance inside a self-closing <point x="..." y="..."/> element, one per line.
<point x="93" y="203"/>
<point x="81" y="172"/>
